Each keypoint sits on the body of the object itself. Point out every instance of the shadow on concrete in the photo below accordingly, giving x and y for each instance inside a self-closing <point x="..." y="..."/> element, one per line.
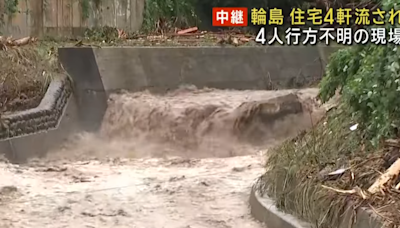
<point x="81" y="65"/>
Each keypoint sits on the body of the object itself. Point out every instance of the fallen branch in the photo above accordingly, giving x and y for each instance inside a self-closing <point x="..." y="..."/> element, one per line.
<point x="355" y="190"/>
<point x="339" y="190"/>
<point x="22" y="41"/>
<point x="391" y="174"/>
<point x="9" y="41"/>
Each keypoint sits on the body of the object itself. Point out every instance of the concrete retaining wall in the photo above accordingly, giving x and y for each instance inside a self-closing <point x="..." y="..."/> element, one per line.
<point x="264" y="210"/>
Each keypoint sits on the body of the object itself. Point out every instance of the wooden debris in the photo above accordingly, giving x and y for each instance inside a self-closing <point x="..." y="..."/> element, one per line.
<point x="22" y="41"/>
<point x="79" y="43"/>
<point x="9" y="41"/>
<point x="122" y="34"/>
<point x="235" y="41"/>
<point x="189" y="30"/>
<point x="385" y="179"/>
<point x="244" y="39"/>
<point x="355" y="190"/>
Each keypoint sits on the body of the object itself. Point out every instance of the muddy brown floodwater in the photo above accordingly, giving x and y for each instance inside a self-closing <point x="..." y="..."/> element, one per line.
<point x="159" y="161"/>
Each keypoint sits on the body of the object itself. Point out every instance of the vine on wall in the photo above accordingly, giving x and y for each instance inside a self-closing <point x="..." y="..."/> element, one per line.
<point x="11" y="7"/>
<point x="85" y="6"/>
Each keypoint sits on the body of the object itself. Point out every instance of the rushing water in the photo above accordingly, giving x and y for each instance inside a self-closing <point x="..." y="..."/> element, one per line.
<point x="159" y="161"/>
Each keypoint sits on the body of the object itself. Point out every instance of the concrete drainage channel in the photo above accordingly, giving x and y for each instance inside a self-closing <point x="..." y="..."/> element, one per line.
<point x="264" y="210"/>
<point x="98" y="73"/>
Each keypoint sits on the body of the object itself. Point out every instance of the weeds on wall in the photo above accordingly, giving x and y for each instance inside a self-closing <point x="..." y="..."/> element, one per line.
<point x="85" y="7"/>
<point x="105" y="33"/>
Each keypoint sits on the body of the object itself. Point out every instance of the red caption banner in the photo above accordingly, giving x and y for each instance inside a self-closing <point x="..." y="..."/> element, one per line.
<point x="230" y="16"/>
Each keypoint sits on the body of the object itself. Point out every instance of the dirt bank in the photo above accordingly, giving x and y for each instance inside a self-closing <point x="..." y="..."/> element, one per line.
<point x="25" y="75"/>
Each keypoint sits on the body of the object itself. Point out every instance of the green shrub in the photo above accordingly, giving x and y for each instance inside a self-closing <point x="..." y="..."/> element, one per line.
<point x="369" y="80"/>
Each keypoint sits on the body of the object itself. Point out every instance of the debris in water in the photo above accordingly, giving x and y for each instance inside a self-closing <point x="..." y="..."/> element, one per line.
<point x="7" y="190"/>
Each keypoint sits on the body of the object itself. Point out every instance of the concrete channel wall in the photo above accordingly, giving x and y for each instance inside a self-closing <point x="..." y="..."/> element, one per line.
<point x="264" y="209"/>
